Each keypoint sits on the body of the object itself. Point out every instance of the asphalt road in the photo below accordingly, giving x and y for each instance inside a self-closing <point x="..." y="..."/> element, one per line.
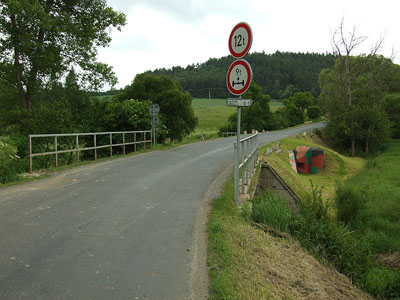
<point x="130" y="228"/>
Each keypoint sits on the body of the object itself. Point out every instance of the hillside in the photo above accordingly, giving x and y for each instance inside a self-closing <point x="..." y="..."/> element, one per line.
<point x="279" y="74"/>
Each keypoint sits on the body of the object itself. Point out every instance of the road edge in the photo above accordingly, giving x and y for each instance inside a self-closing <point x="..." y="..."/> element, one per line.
<point x="199" y="279"/>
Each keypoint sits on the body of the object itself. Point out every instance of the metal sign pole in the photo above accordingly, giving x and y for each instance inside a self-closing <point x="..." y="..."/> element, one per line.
<point x="238" y="81"/>
<point x="237" y="158"/>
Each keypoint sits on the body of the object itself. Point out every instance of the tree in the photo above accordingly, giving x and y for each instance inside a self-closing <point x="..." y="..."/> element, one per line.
<point x="280" y="75"/>
<point x="126" y="115"/>
<point x="258" y="116"/>
<point x="296" y="106"/>
<point x="175" y="104"/>
<point x="392" y="105"/>
<point x="41" y="39"/>
<point x="353" y="94"/>
<point x="314" y="112"/>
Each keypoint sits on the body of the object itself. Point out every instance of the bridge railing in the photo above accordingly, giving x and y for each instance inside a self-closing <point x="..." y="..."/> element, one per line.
<point x="138" y="137"/>
<point x="245" y="160"/>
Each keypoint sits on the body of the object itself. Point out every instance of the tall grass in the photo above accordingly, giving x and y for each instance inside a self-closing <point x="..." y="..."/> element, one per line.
<point x="363" y="220"/>
<point x="370" y="201"/>
<point x="269" y="208"/>
<point x="330" y="240"/>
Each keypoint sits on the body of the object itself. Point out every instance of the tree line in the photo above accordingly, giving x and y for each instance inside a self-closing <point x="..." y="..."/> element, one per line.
<point x="280" y="74"/>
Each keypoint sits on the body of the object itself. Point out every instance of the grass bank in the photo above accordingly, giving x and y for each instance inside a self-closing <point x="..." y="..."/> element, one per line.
<point x="353" y="222"/>
<point x="248" y="263"/>
<point x="337" y="167"/>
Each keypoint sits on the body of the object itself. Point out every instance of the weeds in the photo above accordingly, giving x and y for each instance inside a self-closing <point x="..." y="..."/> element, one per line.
<point x="269" y="208"/>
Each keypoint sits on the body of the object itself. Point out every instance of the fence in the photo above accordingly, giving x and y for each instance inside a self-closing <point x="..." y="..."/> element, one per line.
<point x="226" y="134"/>
<point x="245" y="159"/>
<point x="141" y="135"/>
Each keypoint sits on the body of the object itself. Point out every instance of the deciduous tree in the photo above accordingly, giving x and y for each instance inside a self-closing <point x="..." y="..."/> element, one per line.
<point x="353" y="92"/>
<point x="175" y="103"/>
<point x="41" y="39"/>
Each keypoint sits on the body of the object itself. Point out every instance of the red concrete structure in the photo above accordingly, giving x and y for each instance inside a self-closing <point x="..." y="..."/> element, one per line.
<point x="307" y="160"/>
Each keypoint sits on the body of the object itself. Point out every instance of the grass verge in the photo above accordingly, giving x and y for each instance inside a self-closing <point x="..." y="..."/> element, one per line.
<point x="360" y="235"/>
<point x="248" y="263"/>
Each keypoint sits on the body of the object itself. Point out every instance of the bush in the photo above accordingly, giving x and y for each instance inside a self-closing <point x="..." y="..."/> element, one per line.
<point x="349" y="202"/>
<point x="8" y="161"/>
<point x="269" y="208"/>
<point x="330" y="240"/>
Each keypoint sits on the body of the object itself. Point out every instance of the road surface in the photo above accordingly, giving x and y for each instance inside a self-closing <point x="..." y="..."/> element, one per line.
<point x="130" y="228"/>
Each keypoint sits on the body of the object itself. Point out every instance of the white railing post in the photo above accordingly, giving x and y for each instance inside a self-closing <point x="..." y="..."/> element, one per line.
<point x="30" y="153"/>
<point x="55" y="149"/>
<point x="236" y="175"/>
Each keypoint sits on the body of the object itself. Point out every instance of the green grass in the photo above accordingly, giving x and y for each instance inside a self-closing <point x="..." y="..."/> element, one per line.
<point x="205" y="102"/>
<point x="212" y="114"/>
<point x="269" y="208"/>
<point x="275" y="104"/>
<point x="336" y="168"/>
<point x="364" y="196"/>
<point x="247" y="263"/>
<point x="376" y="193"/>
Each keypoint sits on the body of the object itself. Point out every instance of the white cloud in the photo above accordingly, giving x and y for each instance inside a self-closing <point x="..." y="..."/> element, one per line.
<point x="164" y="33"/>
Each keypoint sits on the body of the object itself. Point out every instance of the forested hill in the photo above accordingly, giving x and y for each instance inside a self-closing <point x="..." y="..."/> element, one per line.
<point x="279" y="74"/>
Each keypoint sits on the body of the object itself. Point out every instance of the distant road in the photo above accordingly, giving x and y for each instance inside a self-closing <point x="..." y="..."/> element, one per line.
<point x="130" y="228"/>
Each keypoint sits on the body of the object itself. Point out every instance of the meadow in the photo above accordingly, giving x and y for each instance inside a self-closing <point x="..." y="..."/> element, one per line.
<point x="349" y="213"/>
<point x="213" y="113"/>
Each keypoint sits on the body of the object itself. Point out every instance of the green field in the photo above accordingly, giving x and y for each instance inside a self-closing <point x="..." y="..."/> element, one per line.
<point x="212" y="114"/>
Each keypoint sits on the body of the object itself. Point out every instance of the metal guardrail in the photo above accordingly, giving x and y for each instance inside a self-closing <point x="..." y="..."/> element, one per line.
<point x="245" y="160"/>
<point x="76" y="148"/>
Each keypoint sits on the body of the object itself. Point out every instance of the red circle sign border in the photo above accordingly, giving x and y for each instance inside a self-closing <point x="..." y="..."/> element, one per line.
<point x="250" y="77"/>
<point x="250" y="34"/>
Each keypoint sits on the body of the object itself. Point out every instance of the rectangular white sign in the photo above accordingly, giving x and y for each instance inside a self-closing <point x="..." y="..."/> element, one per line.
<point x="238" y="102"/>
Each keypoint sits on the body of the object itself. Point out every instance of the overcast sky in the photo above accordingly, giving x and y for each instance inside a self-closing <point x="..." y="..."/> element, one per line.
<point x="166" y="33"/>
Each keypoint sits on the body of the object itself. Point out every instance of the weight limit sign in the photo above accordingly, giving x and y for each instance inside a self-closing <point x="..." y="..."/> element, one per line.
<point x="239" y="77"/>
<point x="240" y="40"/>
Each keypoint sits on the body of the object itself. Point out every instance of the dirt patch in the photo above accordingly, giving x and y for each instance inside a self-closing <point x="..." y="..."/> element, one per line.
<point x="390" y="260"/>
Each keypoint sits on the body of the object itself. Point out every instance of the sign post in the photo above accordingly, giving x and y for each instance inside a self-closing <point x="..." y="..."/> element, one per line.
<point x="154" y="110"/>
<point x="238" y="81"/>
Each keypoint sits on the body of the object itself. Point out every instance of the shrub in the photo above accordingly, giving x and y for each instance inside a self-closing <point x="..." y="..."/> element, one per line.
<point x="269" y="208"/>
<point x="349" y="202"/>
<point x="8" y="161"/>
<point x="330" y="240"/>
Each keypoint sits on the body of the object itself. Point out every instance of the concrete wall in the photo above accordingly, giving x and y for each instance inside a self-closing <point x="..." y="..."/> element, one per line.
<point x="269" y="179"/>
